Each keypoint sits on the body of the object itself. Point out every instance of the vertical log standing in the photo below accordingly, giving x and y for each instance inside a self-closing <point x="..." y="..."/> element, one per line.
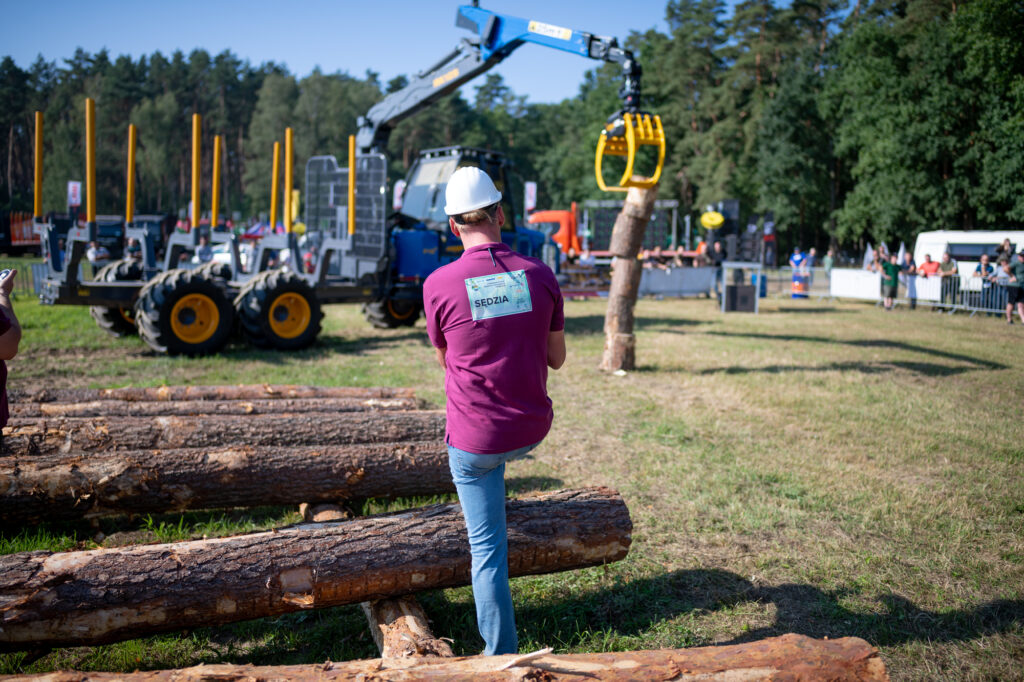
<point x="627" y="237"/>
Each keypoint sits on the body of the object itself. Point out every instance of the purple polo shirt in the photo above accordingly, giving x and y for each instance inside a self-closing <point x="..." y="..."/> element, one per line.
<point x="497" y="375"/>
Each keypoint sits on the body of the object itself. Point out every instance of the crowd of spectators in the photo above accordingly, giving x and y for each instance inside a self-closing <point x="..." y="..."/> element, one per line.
<point x="1000" y="283"/>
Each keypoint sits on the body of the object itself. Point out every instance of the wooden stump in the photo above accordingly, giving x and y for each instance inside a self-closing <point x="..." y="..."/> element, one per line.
<point x="789" y="657"/>
<point x="52" y="599"/>
<point x="627" y="237"/>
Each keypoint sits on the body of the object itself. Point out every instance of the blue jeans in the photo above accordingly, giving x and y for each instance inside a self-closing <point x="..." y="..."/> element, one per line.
<point x="480" y="482"/>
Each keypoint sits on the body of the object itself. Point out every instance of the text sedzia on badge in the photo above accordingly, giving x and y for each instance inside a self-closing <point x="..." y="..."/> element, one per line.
<point x="506" y="293"/>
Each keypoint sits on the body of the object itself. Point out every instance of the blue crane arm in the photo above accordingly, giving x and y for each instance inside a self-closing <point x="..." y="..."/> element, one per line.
<point x="496" y="37"/>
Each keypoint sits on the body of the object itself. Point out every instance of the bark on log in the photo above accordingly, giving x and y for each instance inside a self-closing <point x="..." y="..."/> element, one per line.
<point x="240" y="392"/>
<point x="627" y="236"/>
<point x="789" y="657"/>
<point x="156" y="408"/>
<point x="66" y="487"/>
<point x="52" y="436"/>
<point x="400" y="629"/>
<point x="81" y="598"/>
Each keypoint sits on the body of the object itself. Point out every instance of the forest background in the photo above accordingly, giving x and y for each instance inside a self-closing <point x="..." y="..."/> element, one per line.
<point x="852" y="123"/>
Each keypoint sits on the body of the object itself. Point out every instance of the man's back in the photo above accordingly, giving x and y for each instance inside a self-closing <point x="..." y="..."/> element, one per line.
<point x="493" y="310"/>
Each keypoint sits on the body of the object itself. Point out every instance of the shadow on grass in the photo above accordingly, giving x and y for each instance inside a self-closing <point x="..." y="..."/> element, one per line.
<point x="924" y="368"/>
<point x="817" y="309"/>
<point x="594" y="324"/>
<point x="634" y="608"/>
<point x="326" y="345"/>
<point x="886" y="344"/>
<point x="520" y="485"/>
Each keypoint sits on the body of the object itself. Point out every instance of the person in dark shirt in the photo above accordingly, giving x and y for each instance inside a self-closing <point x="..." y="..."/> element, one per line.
<point x="890" y="280"/>
<point x="1015" y="287"/>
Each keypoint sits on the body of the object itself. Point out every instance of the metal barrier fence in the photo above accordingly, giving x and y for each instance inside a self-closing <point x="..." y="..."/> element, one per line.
<point x="964" y="293"/>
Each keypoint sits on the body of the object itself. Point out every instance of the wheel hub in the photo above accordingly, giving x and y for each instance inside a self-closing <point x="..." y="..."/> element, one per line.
<point x="290" y="315"/>
<point x="194" y="318"/>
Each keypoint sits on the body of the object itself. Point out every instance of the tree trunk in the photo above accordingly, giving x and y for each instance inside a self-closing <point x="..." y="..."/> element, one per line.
<point x="241" y="392"/>
<point x="83" y="598"/>
<point x="400" y="629"/>
<point x="67" y="487"/>
<point x="52" y="436"/>
<point x="789" y="657"/>
<point x="627" y="237"/>
<point x="155" y="408"/>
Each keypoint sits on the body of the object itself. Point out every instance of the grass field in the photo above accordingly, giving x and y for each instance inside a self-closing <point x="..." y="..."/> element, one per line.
<point x="821" y="468"/>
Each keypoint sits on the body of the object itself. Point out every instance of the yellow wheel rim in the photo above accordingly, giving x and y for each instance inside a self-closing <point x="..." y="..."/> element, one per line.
<point x="194" y="318"/>
<point x="290" y="315"/>
<point x="401" y="313"/>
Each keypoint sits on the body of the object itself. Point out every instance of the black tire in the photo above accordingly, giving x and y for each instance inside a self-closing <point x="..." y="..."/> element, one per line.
<point x="391" y="313"/>
<point x="181" y="314"/>
<point x="278" y="309"/>
<point x="214" y="270"/>
<point x="117" y="322"/>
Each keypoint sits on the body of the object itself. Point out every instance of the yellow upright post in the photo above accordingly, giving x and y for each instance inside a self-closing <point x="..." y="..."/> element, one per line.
<point x="289" y="167"/>
<point x="215" y="199"/>
<point x="196" y="139"/>
<point x="90" y="160"/>
<point x="274" y="187"/>
<point x="129" y="204"/>
<point x="351" y="184"/>
<point x="37" y="203"/>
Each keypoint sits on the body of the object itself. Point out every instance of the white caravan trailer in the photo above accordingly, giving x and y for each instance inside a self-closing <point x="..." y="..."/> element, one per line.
<point x="965" y="246"/>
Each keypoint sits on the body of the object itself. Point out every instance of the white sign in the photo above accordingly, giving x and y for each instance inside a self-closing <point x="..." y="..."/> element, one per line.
<point x="74" y="193"/>
<point x="846" y="283"/>
<point x="530" y="198"/>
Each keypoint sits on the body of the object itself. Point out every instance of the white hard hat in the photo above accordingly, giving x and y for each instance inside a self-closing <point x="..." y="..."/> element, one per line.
<point x="469" y="188"/>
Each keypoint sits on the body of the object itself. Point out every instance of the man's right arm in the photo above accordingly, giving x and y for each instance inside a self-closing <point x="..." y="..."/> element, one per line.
<point x="556" y="349"/>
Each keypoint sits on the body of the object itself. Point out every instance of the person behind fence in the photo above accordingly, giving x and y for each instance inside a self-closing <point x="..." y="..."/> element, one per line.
<point x="1015" y="287"/>
<point x="950" y="275"/>
<point x="97" y="254"/>
<point x="984" y="270"/>
<point x="1000" y="281"/>
<point x="716" y="257"/>
<point x="890" y="280"/>
<point x="908" y="268"/>
<point x="828" y="262"/>
<point x="495" y="319"/>
<point x="10" y="337"/>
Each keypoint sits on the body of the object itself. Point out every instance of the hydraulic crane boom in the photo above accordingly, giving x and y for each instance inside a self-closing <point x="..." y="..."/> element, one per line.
<point x="496" y="37"/>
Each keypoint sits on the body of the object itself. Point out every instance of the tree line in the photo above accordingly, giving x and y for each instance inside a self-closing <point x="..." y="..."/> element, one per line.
<point x="850" y="123"/>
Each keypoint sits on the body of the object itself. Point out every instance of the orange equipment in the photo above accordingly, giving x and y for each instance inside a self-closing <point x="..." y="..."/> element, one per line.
<point x="566" y="237"/>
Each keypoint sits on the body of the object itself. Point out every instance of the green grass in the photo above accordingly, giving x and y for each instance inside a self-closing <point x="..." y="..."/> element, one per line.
<point x="826" y="469"/>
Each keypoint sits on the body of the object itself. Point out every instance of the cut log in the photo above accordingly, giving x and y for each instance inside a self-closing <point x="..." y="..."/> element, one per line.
<point x="99" y="434"/>
<point x="627" y="237"/>
<point x="400" y="629"/>
<point x="789" y="657"/>
<point x="156" y="408"/>
<point x="82" y="598"/>
<point x="240" y="392"/>
<point x="67" y="487"/>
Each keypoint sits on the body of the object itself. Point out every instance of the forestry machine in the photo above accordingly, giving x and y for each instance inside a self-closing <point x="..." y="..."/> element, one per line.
<point x="364" y="254"/>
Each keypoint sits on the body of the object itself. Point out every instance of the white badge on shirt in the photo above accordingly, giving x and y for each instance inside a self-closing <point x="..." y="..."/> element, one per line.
<point x="506" y="293"/>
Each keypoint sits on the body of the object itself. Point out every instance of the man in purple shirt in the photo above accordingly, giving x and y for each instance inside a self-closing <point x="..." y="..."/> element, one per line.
<point x="495" y="319"/>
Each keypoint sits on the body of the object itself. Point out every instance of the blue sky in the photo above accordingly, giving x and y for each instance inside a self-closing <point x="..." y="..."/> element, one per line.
<point x="389" y="37"/>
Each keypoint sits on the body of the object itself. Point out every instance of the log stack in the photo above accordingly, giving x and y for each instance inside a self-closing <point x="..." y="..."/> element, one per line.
<point x="85" y="453"/>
